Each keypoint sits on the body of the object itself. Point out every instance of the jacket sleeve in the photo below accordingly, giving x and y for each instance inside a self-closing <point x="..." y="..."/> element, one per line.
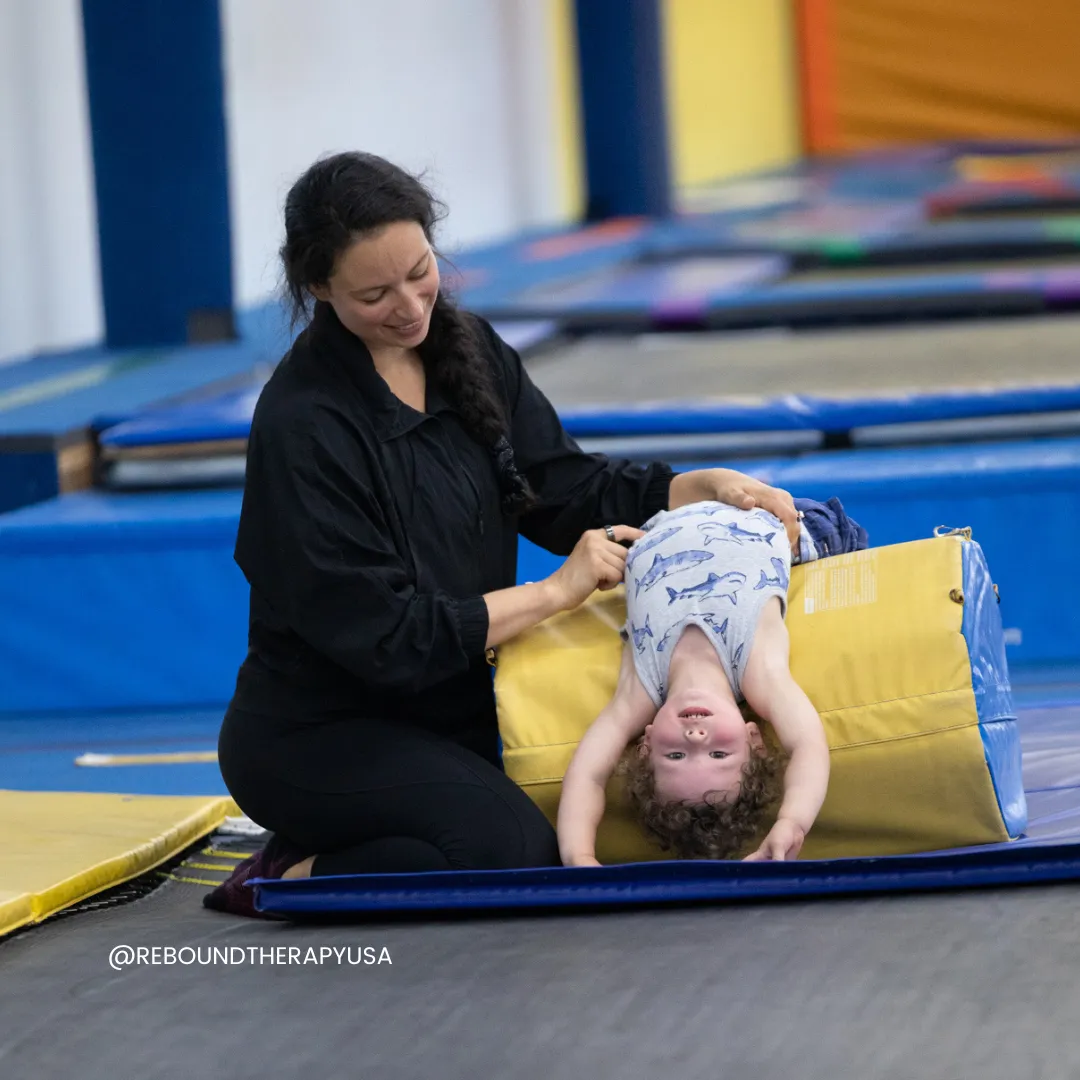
<point x="317" y="546"/>
<point x="576" y="491"/>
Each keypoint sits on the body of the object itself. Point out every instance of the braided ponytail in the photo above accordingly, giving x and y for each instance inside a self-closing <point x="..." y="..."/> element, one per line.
<point x="453" y="360"/>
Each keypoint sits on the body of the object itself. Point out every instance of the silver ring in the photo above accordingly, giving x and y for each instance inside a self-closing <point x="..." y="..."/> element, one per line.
<point x="610" y="532"/>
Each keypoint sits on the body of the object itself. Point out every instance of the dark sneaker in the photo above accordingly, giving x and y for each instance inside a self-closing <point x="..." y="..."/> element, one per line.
<point x="270" y="862"/>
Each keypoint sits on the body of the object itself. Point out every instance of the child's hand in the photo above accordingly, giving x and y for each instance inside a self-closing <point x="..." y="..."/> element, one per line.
<point x="582" y="860"/>
<point x="785" y="841"/>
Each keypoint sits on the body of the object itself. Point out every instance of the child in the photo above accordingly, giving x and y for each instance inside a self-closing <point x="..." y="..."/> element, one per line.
<point x="706" y="594"/>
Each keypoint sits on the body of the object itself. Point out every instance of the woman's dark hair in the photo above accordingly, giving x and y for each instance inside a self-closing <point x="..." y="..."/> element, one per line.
<point x="350" y="195"/>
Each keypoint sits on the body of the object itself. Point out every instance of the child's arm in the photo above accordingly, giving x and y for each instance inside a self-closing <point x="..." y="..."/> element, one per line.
<point x="581" y="805"/>
<point x="775" y="696"/>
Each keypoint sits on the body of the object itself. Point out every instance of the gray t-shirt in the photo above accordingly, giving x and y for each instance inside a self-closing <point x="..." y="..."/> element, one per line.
<point x="710" y="565"/>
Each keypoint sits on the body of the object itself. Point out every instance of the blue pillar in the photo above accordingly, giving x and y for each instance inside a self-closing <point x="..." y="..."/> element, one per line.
<point x="157" y="117"/>
<point x="623" y="108"/>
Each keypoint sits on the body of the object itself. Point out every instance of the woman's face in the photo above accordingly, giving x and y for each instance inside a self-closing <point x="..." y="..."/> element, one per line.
<point x="384" y="287"/>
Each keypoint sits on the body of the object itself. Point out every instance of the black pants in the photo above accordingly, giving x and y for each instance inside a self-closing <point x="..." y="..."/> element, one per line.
<point x="369" y="796"/>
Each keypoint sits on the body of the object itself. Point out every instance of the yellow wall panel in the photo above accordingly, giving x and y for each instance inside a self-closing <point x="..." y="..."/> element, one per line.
<point x="731" y="83"/>
<point x="571" y="167"/>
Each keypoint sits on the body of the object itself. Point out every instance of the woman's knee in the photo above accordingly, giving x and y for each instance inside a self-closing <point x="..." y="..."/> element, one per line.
<point x="489" y="832"/>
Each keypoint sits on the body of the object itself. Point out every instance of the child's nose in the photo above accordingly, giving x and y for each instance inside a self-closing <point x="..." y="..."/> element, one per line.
<point x="695" y="734"/>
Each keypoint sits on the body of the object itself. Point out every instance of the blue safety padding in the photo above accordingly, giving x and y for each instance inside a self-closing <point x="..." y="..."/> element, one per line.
<point x="652" y="884"/>
<point x="811" y="412"/>
<point x="113" y="602"/>
<point x="982" y="630"/>
<point x="227" y="416"/>
<point x="134" y="601"/>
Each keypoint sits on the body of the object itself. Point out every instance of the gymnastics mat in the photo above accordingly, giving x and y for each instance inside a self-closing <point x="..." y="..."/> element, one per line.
<point x="900" y="649"/>
<point x="1049" y="852"/>
<point x="61" y="847"/>
<point x="51" y="405"/>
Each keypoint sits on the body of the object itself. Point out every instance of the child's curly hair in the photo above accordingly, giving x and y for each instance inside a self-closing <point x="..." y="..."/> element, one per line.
<point x="718" y="827"/>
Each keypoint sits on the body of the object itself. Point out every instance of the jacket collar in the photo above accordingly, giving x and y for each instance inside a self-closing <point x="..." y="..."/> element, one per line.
<point x="348" y="355"/>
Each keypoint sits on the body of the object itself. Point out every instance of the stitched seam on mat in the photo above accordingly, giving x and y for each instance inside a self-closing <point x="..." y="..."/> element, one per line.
<point x="890" y="701"/>
<point x="902" y="738"/>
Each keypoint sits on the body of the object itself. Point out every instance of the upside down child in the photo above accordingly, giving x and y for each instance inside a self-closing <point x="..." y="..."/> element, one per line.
<point x="706" y="595"/>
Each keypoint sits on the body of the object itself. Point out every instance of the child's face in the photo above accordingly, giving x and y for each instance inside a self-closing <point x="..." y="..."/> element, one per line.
<point x="699" y="743"/>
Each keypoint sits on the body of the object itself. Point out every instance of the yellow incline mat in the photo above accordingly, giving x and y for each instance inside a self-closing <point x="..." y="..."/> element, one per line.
<point x="58" y="848"/>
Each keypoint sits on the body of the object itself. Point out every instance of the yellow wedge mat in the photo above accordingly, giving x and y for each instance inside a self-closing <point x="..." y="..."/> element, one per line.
<point x="876" y="643"/>
<point x="60" y="847"/>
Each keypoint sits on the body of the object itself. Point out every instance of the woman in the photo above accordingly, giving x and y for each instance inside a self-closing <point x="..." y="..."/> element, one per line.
<point x="395" y="455"/>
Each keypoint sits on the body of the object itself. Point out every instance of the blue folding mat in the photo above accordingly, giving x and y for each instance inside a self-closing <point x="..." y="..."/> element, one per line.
<point x="1049" y="851"/>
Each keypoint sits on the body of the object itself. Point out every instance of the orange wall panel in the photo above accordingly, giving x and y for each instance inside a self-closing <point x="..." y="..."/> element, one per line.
<point x="892" y="71"/>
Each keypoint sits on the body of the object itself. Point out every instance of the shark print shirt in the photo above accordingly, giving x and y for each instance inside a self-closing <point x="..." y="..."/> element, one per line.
<point x="710" y="565"/>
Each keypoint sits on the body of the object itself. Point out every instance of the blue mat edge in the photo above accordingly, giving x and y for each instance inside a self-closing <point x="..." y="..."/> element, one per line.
<point x="669" y="882"/>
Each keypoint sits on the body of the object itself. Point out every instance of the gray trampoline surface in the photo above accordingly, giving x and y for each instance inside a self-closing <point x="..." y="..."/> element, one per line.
<point x="654" y="367"/>
<point x="935" y="987"/>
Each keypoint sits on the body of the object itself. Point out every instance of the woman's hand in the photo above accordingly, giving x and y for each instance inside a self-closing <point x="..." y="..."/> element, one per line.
<point x="736" y="489"/>
<point x="595" y="563"/>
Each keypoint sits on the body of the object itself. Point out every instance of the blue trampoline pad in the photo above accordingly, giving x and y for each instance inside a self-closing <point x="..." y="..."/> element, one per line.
<point x="674" y="292"/>
<point x="1048" y="852"/>
<point x="723" y="292"/>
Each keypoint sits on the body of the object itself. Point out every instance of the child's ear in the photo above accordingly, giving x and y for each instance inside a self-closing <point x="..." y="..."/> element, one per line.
<point x="753" y="733"/>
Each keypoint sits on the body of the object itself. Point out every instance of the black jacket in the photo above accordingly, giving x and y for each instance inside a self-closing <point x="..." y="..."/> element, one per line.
<point x="370" y="532"/>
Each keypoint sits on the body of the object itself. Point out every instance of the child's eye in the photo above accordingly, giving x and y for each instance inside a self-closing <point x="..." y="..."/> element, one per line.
<point x="675" y="755"/>
<point x="718" y="753"/>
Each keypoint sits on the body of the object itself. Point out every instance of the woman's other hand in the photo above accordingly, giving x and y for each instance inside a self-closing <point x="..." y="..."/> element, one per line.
<point x="736" y="489"/>
<point x="596" y="562"/>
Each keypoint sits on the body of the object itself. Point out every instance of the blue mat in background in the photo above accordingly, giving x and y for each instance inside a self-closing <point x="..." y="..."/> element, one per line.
<point x="134" y="601"/>
<point x="624" y="297"/>
<point x="38" y="753"/>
